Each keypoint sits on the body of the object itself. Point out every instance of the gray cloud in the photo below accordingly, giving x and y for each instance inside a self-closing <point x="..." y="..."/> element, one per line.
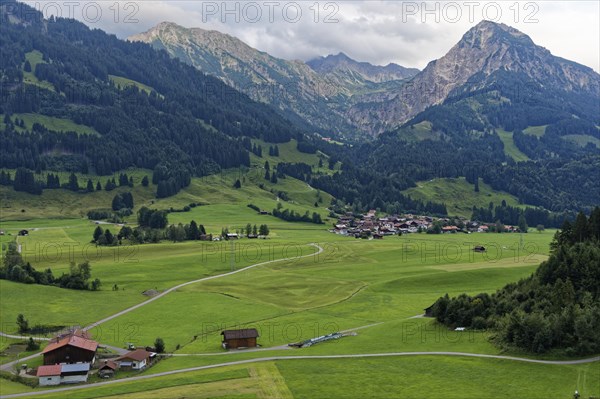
<point x="379" y="32"/>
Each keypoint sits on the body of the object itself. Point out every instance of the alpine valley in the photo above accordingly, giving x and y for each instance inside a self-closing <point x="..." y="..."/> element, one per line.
<point x="182" y="215"/>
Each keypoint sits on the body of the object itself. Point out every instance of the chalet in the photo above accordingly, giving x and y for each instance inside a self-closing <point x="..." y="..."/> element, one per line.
<point x="23" y="232"/>
<point x="57" y="374"/>
<point x="70" y="349"/>
<point x="232" y="236"/>
<point x="244" y="338"/>
<point x="483" y="229"/>
<point x="108" y="369"/>
<point x="135" y="360"/>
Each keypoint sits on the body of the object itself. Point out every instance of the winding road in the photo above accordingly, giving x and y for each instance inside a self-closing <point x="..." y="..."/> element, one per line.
<point x="282" y="358"/>
<point x="261" y="359"/>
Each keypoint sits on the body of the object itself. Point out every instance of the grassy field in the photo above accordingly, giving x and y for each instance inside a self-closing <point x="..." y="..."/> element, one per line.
<point x="53" y="123"/>
<point x="582" y="139"/>
<point x="35" y="57"/>
<point x="537" y="131"/>
<point x="124" y="82"/>
<point x="510" y="148"/>
<point x="375" y="288"/>
<point x="458" y="195"/>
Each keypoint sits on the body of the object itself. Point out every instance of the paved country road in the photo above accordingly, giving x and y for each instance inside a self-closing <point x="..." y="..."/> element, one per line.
<point x="8" y="366"/>
<point x="154" y="298"/>
<point x="287" y="358"/>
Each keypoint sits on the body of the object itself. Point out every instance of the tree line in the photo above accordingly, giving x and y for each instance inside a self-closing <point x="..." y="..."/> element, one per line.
<point x="14" y="268"/>
<point x="556" y="308"/>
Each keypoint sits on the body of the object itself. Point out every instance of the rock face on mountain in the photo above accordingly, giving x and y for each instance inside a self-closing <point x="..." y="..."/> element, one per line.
<point x="338" y="95"/>
<point x="484" y="50"/>
<point x="343" y="66"/>
<point x="319" y="97"/>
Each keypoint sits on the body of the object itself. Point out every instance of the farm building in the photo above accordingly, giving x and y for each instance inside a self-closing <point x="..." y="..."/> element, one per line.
<point x="108" y="369"/>
<point x="49" y="375"/>
<point x="245" y="338"/>
<point x="57" y="374"/>
<point x="74" y="373"/>
<point x="23" y="232"/>
<point x="70" y="349"/>
<point x="135" y="360"/>
<point x="479" y="248"/>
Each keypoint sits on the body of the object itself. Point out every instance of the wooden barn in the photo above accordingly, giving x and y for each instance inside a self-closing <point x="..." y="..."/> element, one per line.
<point x="235" y="339"/>
<point x="70" y="349"/>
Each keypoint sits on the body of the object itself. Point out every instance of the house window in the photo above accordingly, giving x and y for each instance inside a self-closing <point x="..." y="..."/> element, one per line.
<point x="49" y="379"/>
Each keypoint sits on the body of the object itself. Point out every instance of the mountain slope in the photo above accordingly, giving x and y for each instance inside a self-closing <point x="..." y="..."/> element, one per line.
<point x="181" y="120"/>
<point x="487" y="55"/>
<point x="343" y="65"/>
<point x="302" y="93"/>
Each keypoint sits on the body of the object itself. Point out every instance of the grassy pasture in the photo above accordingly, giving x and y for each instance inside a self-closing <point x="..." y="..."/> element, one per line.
<point x="124" y="82"/>
<point x="510" y="148"/>
<point x="352" y="284"/>
<point x="35" y="57"/>
<point x="537" y="131"/>
<point x="458" y="195"/>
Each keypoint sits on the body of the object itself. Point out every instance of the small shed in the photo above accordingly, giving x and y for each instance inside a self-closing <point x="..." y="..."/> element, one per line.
<point x="107" y="369"/>
<point x="49" y="375"/>
<point x="479" y="248"/>
<point x="23" y="232"/>
<point x="244" y="338"/>
<point x="74" y="373"/>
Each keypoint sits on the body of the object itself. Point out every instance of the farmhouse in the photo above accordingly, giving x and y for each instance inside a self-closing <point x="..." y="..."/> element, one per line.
<point x="135" y="360"/>
<point x="70" y="349"/>
<point x="235" y="339"/>
<point x="57" y="374"/>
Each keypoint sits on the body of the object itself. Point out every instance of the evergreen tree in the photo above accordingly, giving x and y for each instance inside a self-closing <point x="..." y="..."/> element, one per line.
<point x="97" y="233"/>
<point x="522" y="223"/>
<point x="98" y="186"/>
<point x="27" y="66"/>
<point x="237" y="184"/>
<point x="73" y="184"/>
<point x="90" y="186"/>
<point x="263" y="230"/>
<point x="145" y="181"/>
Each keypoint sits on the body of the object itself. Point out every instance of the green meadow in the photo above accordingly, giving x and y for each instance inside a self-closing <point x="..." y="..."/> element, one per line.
<point x="375" y="288"/>
<point x="459" y="195"/>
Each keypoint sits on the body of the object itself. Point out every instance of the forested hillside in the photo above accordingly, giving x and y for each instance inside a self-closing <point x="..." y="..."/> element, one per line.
<point x="187" y="121"/>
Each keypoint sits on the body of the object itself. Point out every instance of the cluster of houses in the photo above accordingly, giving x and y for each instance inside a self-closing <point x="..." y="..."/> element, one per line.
<point x="371" y="226"/>
<point x="70" y="359"/>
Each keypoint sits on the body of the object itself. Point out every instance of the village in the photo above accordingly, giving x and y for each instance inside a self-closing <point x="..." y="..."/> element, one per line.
<point x="369" y="226"/>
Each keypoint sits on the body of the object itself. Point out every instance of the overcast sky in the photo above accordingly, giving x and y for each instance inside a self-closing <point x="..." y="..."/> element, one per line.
<point x="408" y="33"/>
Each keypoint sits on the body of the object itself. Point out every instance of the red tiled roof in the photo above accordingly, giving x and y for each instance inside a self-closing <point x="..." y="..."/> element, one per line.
<point x="73" y="340"/>
<point x="138" y="354"/>
<point x="48" y="371"/>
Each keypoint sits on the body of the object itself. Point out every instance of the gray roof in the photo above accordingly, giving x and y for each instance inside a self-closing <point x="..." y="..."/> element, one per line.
<point x="71" y="368"/>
